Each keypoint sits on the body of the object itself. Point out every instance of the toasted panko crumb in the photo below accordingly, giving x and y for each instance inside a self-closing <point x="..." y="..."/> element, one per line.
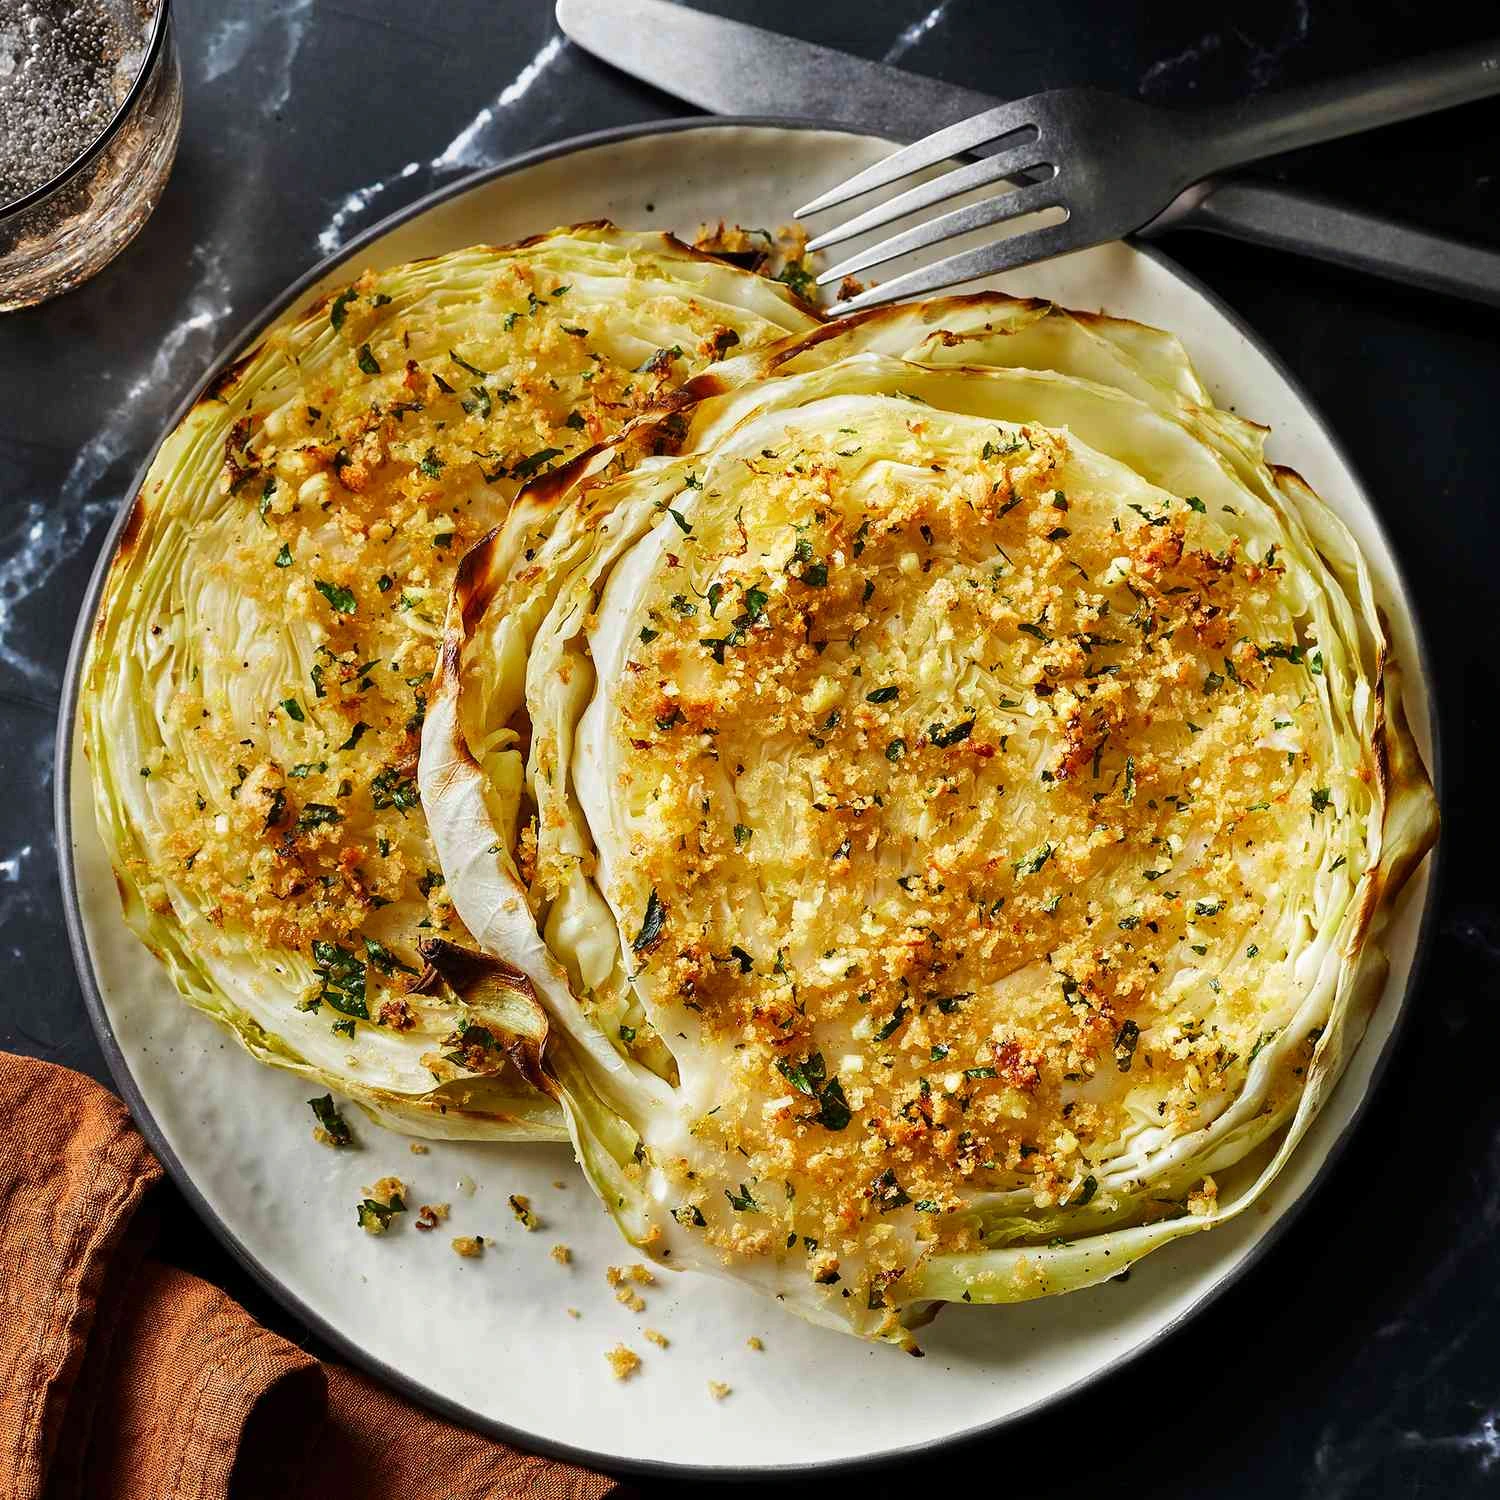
<point x="417" y="1148"/>
<point x="430" y="1215"/>
<point x="520" y="1206"/>
<point x="470" y="1246"/>
<point x="1204" y="1200"/>
<point x="754" y="1343"/>
<point x="718" y="1390"/>
<point x="623" y="1362"/>
<point x="657" y="1337"/>
<point x="561" y="1254"/>
<point x="619" y="1275"/>
<point x="631" y="1298"/>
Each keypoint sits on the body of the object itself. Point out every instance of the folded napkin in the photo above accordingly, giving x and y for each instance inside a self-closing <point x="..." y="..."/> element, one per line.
<point x="124" y="1379"/>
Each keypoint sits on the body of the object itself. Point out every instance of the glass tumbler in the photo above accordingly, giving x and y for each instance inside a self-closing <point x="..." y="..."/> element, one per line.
<point x="90" y="114"/>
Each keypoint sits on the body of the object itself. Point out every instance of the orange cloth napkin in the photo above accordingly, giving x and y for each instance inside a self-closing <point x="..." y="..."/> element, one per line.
<point x="125" y="1379"/>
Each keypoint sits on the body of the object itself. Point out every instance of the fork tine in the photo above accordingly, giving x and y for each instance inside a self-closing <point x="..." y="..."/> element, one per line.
<point x="973" y="265"/>
<point x="996" y="210"/>
<point x="964" y="179"/>
<point x="954" y="140"/>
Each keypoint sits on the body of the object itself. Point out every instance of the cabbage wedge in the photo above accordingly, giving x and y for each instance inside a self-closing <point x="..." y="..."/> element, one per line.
<point x="948" y="807"/>
<point x="257" y="679"/>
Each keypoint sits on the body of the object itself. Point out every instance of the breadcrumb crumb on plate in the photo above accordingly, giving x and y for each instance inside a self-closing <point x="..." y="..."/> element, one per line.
<point x="380" y="1204"/>
<point x="562" y="1255"/>
<point x="623" y="1362"/>
<point x="470" y="1246"/>
<point x="655" y="1336"/>
<point x="430" y="1215"/>
<point x="718" y="1390"/>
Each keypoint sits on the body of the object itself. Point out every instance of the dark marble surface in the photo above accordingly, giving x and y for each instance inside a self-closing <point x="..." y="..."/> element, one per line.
<point x="1358" y="1359"/>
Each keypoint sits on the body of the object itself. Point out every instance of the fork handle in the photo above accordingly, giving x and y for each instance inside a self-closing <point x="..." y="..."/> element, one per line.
<point x="1282" y="218"/>
<point x="1268" y="124"/>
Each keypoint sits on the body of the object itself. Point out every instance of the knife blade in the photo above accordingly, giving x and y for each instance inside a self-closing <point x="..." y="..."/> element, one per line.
<point x="729" y="67"/>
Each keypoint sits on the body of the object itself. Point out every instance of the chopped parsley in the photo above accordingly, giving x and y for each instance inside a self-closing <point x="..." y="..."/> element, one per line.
<point x="529" y="466"/>
<point x="339" y="311"/>
<point x="652" y="924"/>
<point x="342" y="978"/>
<point x="337" y="595"/>
<point x="335" y="1127"/>
<point x="315" y="815"/>
<point x="954" y="735"/>
<point x="389" y="788"/>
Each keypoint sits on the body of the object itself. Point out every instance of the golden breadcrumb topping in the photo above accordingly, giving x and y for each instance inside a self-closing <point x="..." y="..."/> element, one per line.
<point x="961" y="790"/>
<point x="623" y="1362"/>
<point x="291" y="812"/>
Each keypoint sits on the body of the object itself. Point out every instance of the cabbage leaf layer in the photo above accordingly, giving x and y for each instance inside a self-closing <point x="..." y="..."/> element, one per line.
<point x="258" y="677"/>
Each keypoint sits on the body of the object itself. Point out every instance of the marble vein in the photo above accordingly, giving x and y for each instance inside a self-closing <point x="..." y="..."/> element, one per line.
<point x="331" y="236"/>
<point x="911" y="35"/>
<point x="1263" y="59"/>
<point x="467" y="151"/>
<point x="50" y="533"/>
<point x="230" y="41"/>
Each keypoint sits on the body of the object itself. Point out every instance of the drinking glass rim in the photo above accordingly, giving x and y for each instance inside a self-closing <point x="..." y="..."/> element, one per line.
<point x="61" y="179"/>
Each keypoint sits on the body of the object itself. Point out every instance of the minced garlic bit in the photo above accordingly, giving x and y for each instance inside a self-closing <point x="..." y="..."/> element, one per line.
<point x="718" y="1390"/>
<point x="656" y="1337"/>
<point x="561" y="1254"/>
<point x="521" y="1207"/>
<point x="1204" y="1200"/>
<point x="418" y="1148"/>
<point x="754" y="1343"/>
<point x="623" y="1362"/>
<point x="381" y="1204"/>
<point x="430" y="1215"/>
<point x="470" y="1246"/>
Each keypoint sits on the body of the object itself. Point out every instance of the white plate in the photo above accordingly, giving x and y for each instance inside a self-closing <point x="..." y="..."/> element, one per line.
<point x="491" y="1340"/>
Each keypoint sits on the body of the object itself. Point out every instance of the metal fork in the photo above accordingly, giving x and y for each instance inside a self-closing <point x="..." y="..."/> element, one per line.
<point x="1107" y="166"/>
